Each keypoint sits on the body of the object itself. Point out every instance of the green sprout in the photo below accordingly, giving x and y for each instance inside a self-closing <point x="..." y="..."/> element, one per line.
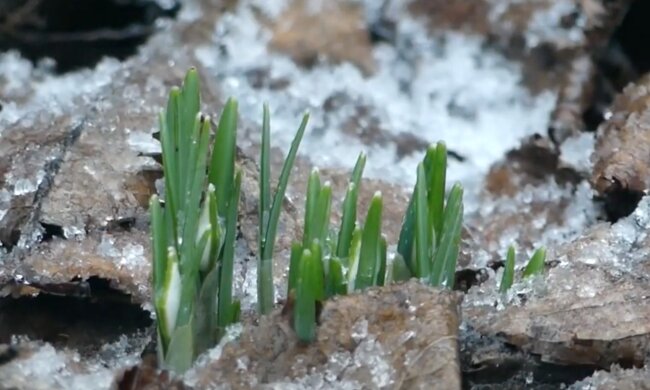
<point x="307" y="262"/>
<point x="193" y="234"/>
<point x="534" y="267"/>
<point x="309" y="285"/>
<point x="429" y="241"/>
<point x="355" y="257"/>
<point x="269" y="211"/>
<point x="344" y="264"/>
<point x="315" y="231"/>
<point x="194" y="231"/>
<point x="368" y="272"/>
<point x="509" y="271"/>
<point x="330" y="263"/>
<point x="349" y="215"/>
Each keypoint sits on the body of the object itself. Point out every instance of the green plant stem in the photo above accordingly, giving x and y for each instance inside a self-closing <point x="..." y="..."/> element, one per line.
<point x="265" y="294"/>
<point x="508" y="271"/>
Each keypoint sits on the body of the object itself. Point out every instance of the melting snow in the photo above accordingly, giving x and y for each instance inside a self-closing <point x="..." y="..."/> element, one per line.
<point x="576" y="151"/>
<point x="29" y="90"/>
<point x="579" y="213"/>
<point x="450" y="89"/>
<point x="547" y="25"/>
<point x="45" y="367"/>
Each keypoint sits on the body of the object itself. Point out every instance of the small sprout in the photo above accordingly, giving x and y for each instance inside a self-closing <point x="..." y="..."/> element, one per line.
<point x="193" y="234"/>
<point x="399" y="272"/>
<point x="270" y="207"/>
<point x="536" y="264"/>
<point x="509" y="271"/>
<point x="446" y="257"/>
<point x="316" y="226"/>
<point x="370" y="252"/>
<point x="340" y="253"/>
<point x="181" y="349"/>
<point x="317" y="210"/>
<point x="335" y="284"/>
<point x="227" y="309"/>
<point x="429" y="241"/>
<point x="306" y="295"/>
<point x="349" y="216"/>
<point x="424" y="236"/>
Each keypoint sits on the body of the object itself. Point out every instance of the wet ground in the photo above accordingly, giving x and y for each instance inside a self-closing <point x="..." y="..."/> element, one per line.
<point x="544" y="107"/>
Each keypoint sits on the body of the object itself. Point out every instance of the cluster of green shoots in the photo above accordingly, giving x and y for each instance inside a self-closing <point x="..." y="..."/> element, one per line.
<point x="535" y="266"/>
<point x="327" y="263"/>
<point x="194" y="231"/>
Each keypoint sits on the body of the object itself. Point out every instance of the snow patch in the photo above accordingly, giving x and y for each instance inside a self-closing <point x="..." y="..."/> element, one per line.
<point x="28" y="90"/>
<point x="576" y="152"/>
<point x="450" y="88"/>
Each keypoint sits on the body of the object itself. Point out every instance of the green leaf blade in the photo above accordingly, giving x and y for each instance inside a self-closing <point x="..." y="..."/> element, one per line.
<point x="305" y="309"/>
<point x="198" y="153"/>
<point x="282" y="187"/>
<point x="335" y="280"/>
<point x="357" y="171"/>
<point x="446" y="257"/>
<point x="190" y="98"/>
<point x="321" y="216"/>
<point x="265" y="286"/>
<point x="168" y="298"/>
<point x="222" y="165"/>
<point x="318" y="271"/>
<point x="348" y="220"/>
<point x="265" y="177"/>
<point x="422" y="226"/>
<point x="205" y="315"/>
<point x="170" y="171"/>
<point x="349" y="214"/>
<point x="225" y="304"/>
<point x="381" y="260"/>
<point x="536" y="264"/>
<point x="509" y="271"/>
<point x="180" y="355"/>
<point x="354" y="259"/>
<point x="159" y="244"/>
<point x="217" y="231"/>
<point x="294" y="266"/>
<point x="311" y="202"/>
<point x="437" y="187"/>
<point x="370" y="245"/>
<point x="407" y="236"/>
